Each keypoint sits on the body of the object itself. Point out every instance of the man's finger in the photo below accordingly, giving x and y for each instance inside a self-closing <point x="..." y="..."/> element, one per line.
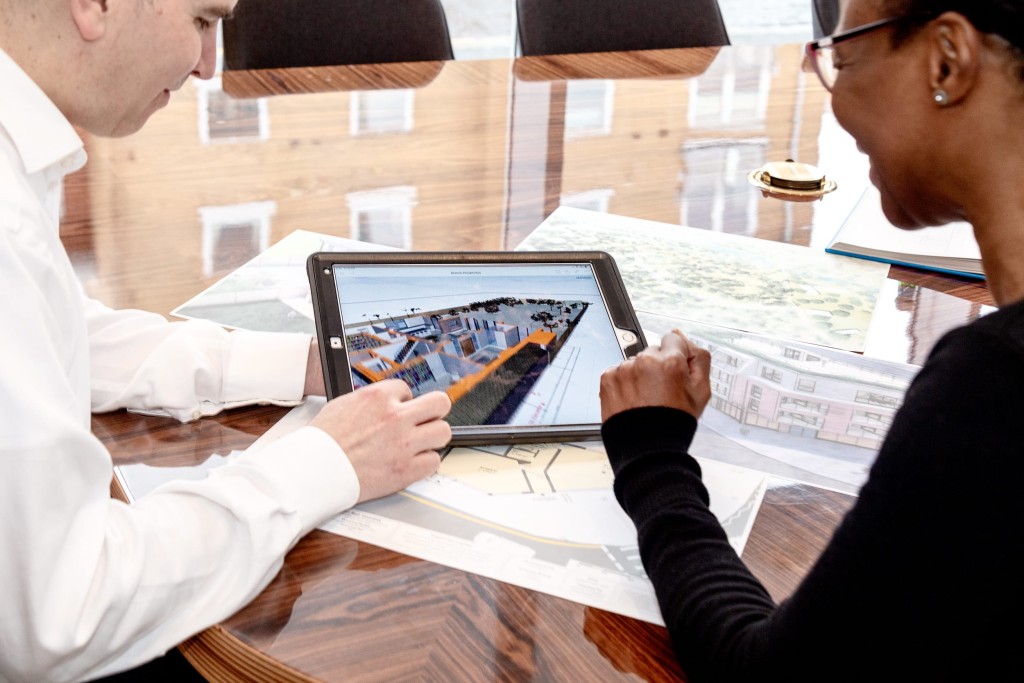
<point x="423" y="465"/>
<point x="429" y="406"/>
<point x="394" y="387"/>
<point x="435" y="434"/>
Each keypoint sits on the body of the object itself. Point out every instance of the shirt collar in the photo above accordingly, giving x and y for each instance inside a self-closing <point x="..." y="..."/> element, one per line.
<point x="40" y="132"/>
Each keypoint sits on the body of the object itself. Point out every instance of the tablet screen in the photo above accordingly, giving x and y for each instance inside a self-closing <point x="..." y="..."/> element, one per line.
<point x="511" y="344"/>
<point x="518" y="340"/>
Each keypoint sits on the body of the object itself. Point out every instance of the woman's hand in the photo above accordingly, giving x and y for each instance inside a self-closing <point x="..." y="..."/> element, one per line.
<point x="674" y="374"/>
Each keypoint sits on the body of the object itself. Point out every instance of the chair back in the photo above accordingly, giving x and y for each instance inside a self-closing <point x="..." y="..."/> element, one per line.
<point x="268" y="34"/>
<point x="824" y="17"/>
<point x="564" y="26"/>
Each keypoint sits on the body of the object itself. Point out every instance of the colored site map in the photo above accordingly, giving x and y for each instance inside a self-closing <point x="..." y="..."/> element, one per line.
<point x="540" y="516"/>
<point x="754" y="285"/>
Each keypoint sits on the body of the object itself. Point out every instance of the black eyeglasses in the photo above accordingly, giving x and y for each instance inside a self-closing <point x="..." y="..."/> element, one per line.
<point x="822" y="57"/>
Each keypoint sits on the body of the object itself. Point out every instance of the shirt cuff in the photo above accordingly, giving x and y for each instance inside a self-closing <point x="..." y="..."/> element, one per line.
<point x="266" y="365"/>
<point x="312" y="472"/>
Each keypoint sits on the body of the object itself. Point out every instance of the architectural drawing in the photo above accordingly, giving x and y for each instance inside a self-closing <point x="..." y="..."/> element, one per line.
<point x="540" y="516"/>
<point x="735" y="281"/>
<point x="792" y="410"/>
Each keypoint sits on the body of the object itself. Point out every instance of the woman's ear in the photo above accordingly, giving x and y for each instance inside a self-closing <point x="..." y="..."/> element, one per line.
<point x="90" y="16"/>
<point x="954" y="57"/>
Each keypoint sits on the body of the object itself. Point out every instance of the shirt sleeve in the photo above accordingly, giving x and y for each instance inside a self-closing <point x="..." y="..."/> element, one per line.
<point x="914" y="582"/>
<point x="93" y="586"/>
<point x="188" y="369"/>
<point x="90" y="586"/>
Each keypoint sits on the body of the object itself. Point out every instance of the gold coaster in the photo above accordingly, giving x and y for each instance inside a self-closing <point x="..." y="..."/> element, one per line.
<point x="791" y="180"/>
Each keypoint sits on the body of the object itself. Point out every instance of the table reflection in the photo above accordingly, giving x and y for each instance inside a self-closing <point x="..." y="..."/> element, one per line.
<point x="473" y="158"/>
<point x="455" y="156"/>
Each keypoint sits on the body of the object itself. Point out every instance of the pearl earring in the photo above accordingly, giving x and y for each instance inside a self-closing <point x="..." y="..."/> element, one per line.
<point x="941" y="97"/>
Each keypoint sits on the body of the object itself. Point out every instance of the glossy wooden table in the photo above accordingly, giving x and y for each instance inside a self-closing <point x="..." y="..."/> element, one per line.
<point x="468" y="156"/>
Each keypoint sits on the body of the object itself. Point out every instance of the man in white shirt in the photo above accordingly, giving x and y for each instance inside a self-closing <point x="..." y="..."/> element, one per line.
<point x="90" y="586"/>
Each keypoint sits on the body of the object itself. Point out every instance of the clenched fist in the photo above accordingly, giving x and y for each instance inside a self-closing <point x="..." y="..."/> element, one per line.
<point x="674" y="375"/>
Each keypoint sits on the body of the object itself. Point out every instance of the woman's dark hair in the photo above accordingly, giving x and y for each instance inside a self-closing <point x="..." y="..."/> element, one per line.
<point x="1004" y="18"/>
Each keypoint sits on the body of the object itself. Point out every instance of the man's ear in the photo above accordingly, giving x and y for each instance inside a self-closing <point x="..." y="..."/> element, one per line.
<point x="90" y="16"/>
<point x="955" y="55"/>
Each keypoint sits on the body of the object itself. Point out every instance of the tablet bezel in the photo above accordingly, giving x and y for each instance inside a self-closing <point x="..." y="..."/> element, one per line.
<point x="334" y="357"/>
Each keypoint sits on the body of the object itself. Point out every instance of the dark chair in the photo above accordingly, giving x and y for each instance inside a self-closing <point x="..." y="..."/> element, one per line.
<point x="171" y="667"/>
<point x="824" y="17"/>
<point x="268" y="34"/>
<point x="563" y="26"/>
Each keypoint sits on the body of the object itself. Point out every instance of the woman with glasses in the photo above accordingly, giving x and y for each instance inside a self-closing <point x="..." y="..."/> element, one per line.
<point x="924" y="579"/>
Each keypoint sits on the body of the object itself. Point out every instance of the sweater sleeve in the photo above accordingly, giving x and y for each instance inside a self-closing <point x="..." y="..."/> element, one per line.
<point x="712" y="605"/>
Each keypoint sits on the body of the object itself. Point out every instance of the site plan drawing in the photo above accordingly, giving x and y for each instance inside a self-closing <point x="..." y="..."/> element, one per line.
<point x="540" y="516"/>
<point x="734" y="281"/>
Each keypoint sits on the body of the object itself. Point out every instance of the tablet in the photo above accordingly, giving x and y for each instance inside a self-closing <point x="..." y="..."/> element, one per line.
<point x="518" y="340"/>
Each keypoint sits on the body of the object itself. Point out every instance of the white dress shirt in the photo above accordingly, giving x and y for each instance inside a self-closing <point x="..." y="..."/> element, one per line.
<point x="88" y="585"/>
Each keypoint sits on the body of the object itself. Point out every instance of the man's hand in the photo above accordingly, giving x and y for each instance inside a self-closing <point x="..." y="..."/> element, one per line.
<point x="674" y="375"/>
<point x="390" y="438"/>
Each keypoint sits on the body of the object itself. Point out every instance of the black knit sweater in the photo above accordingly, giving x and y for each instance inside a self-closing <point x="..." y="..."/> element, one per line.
<point x="922" y="581"/>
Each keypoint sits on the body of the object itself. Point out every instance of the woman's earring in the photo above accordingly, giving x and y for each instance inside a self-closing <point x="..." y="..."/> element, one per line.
<point x="941" y="97"/>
